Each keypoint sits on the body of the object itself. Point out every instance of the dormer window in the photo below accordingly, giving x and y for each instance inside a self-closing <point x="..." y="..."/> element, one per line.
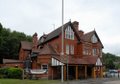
<point x="94" y="39"/>
<point x="42" y="40"/>
<point x="69" y="33"/>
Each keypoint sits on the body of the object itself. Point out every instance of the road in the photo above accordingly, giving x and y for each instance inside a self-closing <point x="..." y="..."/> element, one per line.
<point x="95" y="81"/>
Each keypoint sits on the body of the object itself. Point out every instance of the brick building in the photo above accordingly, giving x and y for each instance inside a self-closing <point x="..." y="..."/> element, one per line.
<point x="82" y="53"/>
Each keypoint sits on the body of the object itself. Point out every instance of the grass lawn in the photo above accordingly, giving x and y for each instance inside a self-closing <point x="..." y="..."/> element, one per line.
<point x="18" y="81"/>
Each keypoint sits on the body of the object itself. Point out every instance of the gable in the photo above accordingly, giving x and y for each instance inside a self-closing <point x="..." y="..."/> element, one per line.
<point x="94" y="39"/>
<point x="69" y="33"/>
<point x="91" y="37"/>
<point x="47" y="49"/>
<point x="55" y="33"/>
<point x="55" y="62"/>
<point x="98" y="62"/>
<point x="42" y="39"/>
<point x="58" y="31"/>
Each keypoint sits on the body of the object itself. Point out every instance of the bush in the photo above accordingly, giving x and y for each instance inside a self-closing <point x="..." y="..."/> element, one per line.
<point x="3" y="72"/>
<point x="11" y="72"/>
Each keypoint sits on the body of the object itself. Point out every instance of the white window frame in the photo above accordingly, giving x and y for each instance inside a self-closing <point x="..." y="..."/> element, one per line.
<point x="67" y="49"/>
<point x="66" y="33"/>
<point x="94" y="51"/>
<point x="72" y="49"/>
<point x="42" y="40"/>
<point x="85" y="51"/>
<point x="69" y="33"/>
<point x="100" y="52"/>
<point x="43" y="68"/>
<point x="94" y="39"/>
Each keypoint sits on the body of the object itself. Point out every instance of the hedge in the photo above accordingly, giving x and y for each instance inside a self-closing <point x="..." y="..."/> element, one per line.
<point x="10" y="73"/>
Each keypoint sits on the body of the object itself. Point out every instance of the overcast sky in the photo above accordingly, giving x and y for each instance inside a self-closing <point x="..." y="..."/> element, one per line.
<point x="30" y="16"/>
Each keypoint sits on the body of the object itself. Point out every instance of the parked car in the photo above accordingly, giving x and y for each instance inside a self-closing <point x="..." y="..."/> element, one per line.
<point x="107" y="74"/>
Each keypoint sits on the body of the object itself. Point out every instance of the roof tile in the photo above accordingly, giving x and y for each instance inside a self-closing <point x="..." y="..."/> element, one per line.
<point x="26" y="45"/>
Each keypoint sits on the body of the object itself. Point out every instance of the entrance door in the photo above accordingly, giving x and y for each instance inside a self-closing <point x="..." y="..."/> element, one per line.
<point x="56" y="72"/>
<point x="71" y="72"/>
<point x="89" y="71"/>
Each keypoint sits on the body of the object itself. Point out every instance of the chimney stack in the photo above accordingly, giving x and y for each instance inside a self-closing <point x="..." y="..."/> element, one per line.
<point x="35" y="41"/>
<point x="81" y="33"/>
<point x="76" y="25"/>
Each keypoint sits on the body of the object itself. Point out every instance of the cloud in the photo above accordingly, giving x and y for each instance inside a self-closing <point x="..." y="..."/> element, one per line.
<point x="31" y="16"/>
<point x="113" y="48"/>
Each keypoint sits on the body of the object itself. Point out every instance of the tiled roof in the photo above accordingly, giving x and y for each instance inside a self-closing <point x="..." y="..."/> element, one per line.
<point x="85" y="60"/>
<point x="91" y="59"/>
<point x="36" y="50"/>
<point x="87" y="37"/>
<point x="26" y="45"/>
<point x="57" y="32"/>
<point x="47" y="49"/>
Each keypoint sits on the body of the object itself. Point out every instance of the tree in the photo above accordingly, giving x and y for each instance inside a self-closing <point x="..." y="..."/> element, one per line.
<point x="110" y="64"/>
<point x="0" y="27"/>
<point x="110" y="60"/>
<point x="10" y="41"/>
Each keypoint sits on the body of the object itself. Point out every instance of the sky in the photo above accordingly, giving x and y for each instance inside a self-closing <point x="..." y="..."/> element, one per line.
<point x="43" y="16"/>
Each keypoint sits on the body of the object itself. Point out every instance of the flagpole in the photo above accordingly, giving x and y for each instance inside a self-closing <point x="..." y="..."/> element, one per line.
<point x="62" y="51"/>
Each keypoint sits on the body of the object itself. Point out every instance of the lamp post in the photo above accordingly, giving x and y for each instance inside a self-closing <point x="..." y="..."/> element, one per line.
<point x="67" y="70"/>
<point x="62" y="51"/>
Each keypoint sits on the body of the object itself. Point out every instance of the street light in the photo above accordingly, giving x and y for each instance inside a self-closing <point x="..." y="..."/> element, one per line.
<point x="62" y="51"/>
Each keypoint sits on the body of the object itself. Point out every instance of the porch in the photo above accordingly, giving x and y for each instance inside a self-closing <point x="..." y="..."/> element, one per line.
<point x="79" y="69"/>
<point x="78" y="72"/>
<point x="82" y="72"/>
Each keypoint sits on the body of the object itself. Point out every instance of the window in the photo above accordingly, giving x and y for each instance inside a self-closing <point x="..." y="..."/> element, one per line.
<point x="94" y="39"/>
<point x="72" y="49"/>
<point x="94" y="51"/>
<point x="66" y="33"/>
<point x="85" y="52"/>
<point x="69" y="33"/>
<point x="67" y="49"/>
<point x="42" y="40"/>
<point x="100" y="50"/>
<point x="44" y="66"/>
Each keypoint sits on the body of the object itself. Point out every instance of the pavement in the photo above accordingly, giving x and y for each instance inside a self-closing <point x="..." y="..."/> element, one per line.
<point x="94" y="81"/>
<point x="113" y="82"/>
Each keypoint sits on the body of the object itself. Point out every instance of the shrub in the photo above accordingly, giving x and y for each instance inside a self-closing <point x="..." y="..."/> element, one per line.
<point x="11" y="72"/>
<point x="3" y="72"/>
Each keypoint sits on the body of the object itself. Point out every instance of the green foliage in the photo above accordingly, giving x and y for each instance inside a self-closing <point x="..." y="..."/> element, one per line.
<point x="111" y="61"/>
<point x="0" y="27"/>
<point x="10" y="72"/>
<point x="3" y="72"/>
<point x="117" y="66"/>
<point x="14" y="73"/>
<point x="10" y="42"/>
